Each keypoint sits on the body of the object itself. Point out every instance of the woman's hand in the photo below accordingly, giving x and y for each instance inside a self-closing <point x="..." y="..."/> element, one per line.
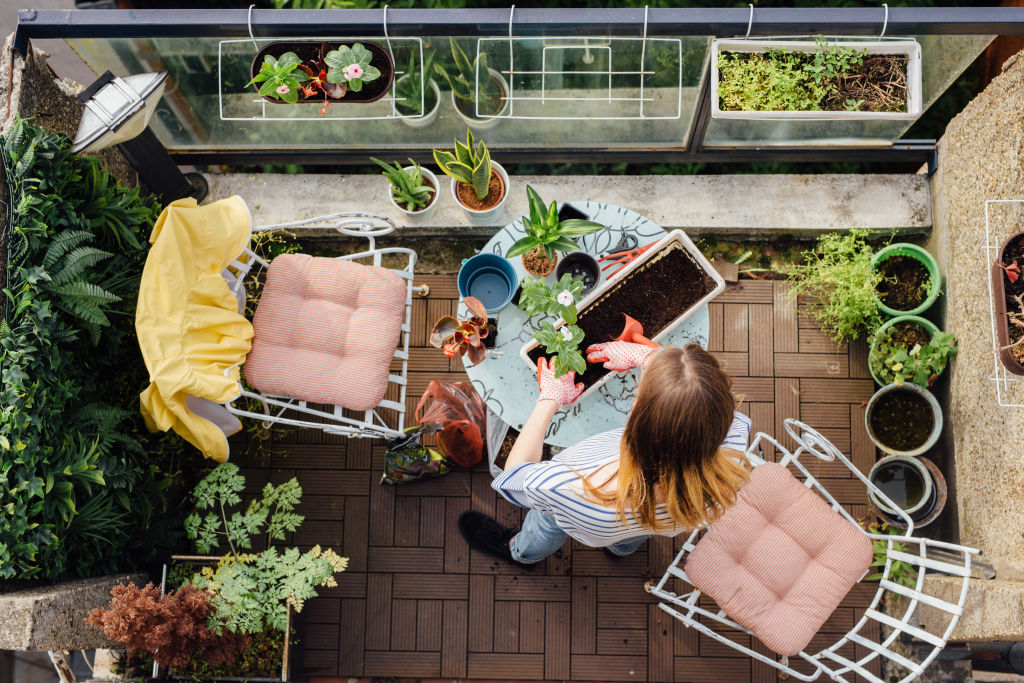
<point x="562" y="390"/>
<point x="619" y="355"/>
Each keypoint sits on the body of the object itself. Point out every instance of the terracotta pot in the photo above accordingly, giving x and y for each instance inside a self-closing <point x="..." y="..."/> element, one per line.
<point x="1002" y="323"/>
<point x="538" y="273"/>
<point x="308" y="51"/>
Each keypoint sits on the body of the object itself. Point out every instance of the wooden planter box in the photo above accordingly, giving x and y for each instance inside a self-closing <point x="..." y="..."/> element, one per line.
<point x="306" y="51"/>
<point x="676" y="239"/>
<point x="1002" y="323"/>
<point x="908" y="48"/>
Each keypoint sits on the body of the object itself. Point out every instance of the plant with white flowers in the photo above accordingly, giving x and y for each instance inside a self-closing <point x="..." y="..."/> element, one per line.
<point x="564" y="344"/>
<point x="558" y="300"/>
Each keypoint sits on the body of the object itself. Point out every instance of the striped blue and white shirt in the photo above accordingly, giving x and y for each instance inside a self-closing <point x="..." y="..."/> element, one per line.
<point x="554" y="487"/>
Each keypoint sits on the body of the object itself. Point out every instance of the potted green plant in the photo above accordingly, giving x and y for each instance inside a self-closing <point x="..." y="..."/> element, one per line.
<point x="909" y="348"/>
<point x="911" y="280"/>
<point x="838" y="273"/>
<point x="903" y="419"/>
<point x="1008" y="303"/>
<point x="470" y="96"/>
<point x="563" y="344"/>
<point x="546" y="234"/>
<point x="290" y="72"/>
<point x="559" y="300"/>
<point x="819" y="79"/>
<point x="479" y="185"/>
<point x="417" y="96"/>
<point x="463" y="337"/>
<point x="412" y="189"/>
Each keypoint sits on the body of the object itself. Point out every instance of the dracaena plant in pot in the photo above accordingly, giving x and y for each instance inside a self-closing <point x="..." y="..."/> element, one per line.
<point x="479" y="185"/>
<point x="412" y="189"/>
<point x="463" y="337"/>
<point x="546" y="235"/>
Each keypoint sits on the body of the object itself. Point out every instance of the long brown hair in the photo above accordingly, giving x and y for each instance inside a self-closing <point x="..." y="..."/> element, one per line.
<point x="682" y="414"/>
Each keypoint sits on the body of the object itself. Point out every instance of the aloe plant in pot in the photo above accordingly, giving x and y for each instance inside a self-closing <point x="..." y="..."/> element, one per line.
<point x="479" y="185"/>
<point x="412" y="189"/>
<point x="546" y="234"/>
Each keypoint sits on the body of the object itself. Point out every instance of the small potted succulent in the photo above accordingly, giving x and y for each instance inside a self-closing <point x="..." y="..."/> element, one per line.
<point x="463" y="337"/>
<point x="911" y="280"/>
<point x="908" y="348"/>
<point x="470" y="97"/>
<point x="413" y="189"/>
<point x="301" y="72"/>
<point x="479" y="185"/>
<point x="417" y="97"/>
<point x="903" y="419"/>
<point x="546" y="234"/>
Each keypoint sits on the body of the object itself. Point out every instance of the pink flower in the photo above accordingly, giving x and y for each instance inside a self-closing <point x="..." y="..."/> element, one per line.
<point x="283" y="90"/>
<point x="353" y="71"/>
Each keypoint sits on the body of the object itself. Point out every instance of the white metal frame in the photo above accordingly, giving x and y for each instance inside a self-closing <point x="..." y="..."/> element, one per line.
<point x="1009" y="387"/>
<point x="275" y="408"/>
<point x="828" y="662"/>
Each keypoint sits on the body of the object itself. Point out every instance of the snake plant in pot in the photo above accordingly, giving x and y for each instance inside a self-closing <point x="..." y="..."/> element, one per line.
<point x="479" y="185"/>
<point x="546" y="235"/>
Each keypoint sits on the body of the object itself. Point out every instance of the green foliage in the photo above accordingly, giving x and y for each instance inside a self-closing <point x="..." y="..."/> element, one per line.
<point x="407" y="187"/>
<point x="339" y="61"/>
<point x="537" y="297"/>
<point x="470" y="164"/>
<point x="410" y="91"/>
<point x="832" y="60"/>
<point x="838" y="273"/>
<point x="545" y="231"/>
<point x="462" y="82"/>
<point x="564" y="344"/>
<point x="281" y="77"/>
<point x="83" y="481"/>
<point x="920" y="364"/>
<point x="900" y="572"/>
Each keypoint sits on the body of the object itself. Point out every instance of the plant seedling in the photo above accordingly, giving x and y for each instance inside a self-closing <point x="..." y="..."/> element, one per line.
<point x="545" y="231"/>
<point x="281" y="77"/>
<point x="470" y="164"/>
<point x="852" y="104"/>
<point x="351" y="65"/>
<point x="407" y="187"/>
<point x="564" y="344"/>
<point x="559" y="300"/>
<point x="458" y="337"/>
<point x="900" y="572"/>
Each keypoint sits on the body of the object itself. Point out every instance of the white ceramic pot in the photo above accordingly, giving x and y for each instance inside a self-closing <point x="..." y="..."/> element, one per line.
<point x="912" y="463"/>
<point x="428" y="117"/>
<point x="490" y="216"/>
<point x="418" y="216"/>
<point x="484" y="123"/>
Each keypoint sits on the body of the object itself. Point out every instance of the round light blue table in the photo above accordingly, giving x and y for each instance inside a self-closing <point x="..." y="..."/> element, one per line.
<point x="509" y="387"/>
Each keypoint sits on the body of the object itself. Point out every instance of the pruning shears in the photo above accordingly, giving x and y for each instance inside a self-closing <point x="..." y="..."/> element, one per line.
<point x="623" y="253"/>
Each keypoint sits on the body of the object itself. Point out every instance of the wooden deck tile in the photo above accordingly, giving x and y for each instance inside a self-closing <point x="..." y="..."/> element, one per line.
<point x="481" y="613"/>
<point x="859" y="359"/>
<point x="389" y="664"/>
<point x="378" y="612"/>
<point x="609" y="667"/>
<point x="428" y="625"/>
<point x="403" y="625"/>
<point x="405" y="559"/>
<point x="703" y="669"/>
<point x="354" y="532"/>
<point x="812" y="365"/>
<point x="498" y="666"/>
<point x="432" y="522"/>
<point x="659" y="643"/>
<point x="556" y="641"/>
<point x="584" y="615"/>
<point x="735" y="327"/>
<point x="456" y="552"/>
<point x="531" y="626"/>
<point x="506" y="626"/>
<point x="757" y="389"/>
<point x="813" y="340"/>
<point x="533" y="588"/>
<point x="351" y="636"/>
<point x="836" y="390"/>
<point x="825" y="414"/>
<point x="762" y="340"/>
<point x="407" y="521"/>
<point x="748" y="292"/>
<point x="787" y="405"/>
<point x="862" y="450"/>
<point x="784" y="318"/>
<point x="616" y="641"/>
<point x="762" y="419"/>
<point x="431" y="586"/>
<point x="716" y="317"/>
<point x="453" y="639"/>
<point x="734" y="363"/>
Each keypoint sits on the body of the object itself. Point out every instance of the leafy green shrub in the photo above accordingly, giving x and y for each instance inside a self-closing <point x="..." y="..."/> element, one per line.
<point x="84" y="482"/>
<point x="838" y="273"/>
<point x="775" y="81"/>
<point x="560" y="299"/>
<point x="564" y="343"/>
<point x="921" y="364"/>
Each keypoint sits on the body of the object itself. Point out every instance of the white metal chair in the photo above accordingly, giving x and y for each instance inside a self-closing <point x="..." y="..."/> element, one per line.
<point x="920" y="552"/>
<point x="291" y="411"/>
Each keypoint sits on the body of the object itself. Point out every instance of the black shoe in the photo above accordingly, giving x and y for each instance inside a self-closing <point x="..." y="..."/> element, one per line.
<point x="486" y="535"/>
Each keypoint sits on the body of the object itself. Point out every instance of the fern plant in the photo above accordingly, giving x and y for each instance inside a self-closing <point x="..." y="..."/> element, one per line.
<point x="407" y="187"/>
<point x="470" y="164"/>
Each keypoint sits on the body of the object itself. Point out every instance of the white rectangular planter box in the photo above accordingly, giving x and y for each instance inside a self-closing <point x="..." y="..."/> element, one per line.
<point x="676" y="236"/>
<point x="907" y="47"/>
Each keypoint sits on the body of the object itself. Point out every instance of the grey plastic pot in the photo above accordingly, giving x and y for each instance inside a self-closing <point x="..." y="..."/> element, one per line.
<point x="936" y="415"/>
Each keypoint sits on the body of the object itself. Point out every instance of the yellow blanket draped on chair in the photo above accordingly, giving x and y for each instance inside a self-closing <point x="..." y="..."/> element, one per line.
<point x="191" y="333"/>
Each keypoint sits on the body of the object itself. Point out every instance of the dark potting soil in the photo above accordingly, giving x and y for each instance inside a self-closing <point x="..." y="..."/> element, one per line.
<point x="495" y="191"/>
<point x="506" y="447"/>
<point x="902" y="419"/>
<point x="1014" y="253"/>
<point x="908" y="333"/>
<point x="655" y="295"/>
<point x="905" y="283"/>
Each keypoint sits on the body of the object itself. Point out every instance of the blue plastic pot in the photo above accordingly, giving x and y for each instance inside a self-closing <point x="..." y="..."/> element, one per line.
<point x="490" y="278"/>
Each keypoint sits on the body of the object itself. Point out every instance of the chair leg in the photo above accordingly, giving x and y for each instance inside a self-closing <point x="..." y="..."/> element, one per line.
<point x="782" y="674"/>
<point x="422" y="290"/>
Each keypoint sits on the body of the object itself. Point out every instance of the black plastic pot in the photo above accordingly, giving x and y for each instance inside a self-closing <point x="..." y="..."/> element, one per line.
<point x="310" y="52"/>
<point x="580" y="264"/>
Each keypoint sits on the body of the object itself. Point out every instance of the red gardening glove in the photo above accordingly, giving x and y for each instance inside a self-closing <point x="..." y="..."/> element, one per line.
<point x="619" y="355"/>
<point x="562" y="390"/>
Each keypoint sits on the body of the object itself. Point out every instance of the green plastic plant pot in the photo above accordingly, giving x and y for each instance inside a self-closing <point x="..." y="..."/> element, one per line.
<point x="929" y="262"/>
<point x="876" y="337"/>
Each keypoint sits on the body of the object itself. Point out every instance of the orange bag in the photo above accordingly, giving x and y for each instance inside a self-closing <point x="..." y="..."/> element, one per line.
<point x="463" y="418"/>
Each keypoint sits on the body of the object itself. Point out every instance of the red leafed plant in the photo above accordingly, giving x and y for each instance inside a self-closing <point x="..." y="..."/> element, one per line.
<point x="317" y="72"/>
<point x="1012" y="271"/>
<point x="170" y="628"/>
<point x="457" y="337"/>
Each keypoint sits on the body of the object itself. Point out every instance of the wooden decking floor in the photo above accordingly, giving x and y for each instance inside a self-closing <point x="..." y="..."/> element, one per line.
<point x="416" y="603"/>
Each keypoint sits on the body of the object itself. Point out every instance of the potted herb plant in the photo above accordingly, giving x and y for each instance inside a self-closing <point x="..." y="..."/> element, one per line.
<point x="412" y="189"/>
<point x="909" y="348"/>
<point x="470" y="96"/>
<point x="564" y="345"/>
<point x="911" y="280"/>
<point x="1008" y="303"/>
<point x="820" y="79"/>
<point x="838" y="273"/>
<point x="546" y="234"/>
<point x="479" y="185"/>
<point x="903" y="419"/>
<point x="417" y="97"/>
<point x="463" y="337"/>
<point x="290" y="72"/>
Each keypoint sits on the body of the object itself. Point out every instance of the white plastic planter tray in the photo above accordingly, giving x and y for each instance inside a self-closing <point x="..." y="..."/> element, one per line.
<point x="676" y="236"/>
<point x="907" y="47"/>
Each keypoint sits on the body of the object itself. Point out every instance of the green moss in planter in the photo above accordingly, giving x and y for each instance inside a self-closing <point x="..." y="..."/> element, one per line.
<point x="262" y="659"/>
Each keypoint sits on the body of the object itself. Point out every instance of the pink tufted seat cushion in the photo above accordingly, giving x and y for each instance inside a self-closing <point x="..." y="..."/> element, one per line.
<point x="325" y="331"/>
<point x="780" y="560"/>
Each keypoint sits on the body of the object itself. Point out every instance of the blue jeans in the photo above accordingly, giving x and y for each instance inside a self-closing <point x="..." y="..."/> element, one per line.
<point x="541" y="536"/>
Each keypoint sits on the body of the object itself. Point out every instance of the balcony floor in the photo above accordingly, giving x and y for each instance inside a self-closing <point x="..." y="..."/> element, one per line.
<point x="415" y="602"/>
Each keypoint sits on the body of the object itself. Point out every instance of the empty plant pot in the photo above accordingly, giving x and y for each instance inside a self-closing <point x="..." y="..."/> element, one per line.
<point x="580" y="265"/>
<point x="907" y="263"/>
<point x="906" y="482"/>
<point x="490" y="278"/>
<point x="903" y="419"/>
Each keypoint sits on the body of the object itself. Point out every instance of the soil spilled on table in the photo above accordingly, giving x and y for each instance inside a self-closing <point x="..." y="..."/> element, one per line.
<point x="656" y="294"/>
<point x="905" y="283"/>
<point x="902" y="419"/>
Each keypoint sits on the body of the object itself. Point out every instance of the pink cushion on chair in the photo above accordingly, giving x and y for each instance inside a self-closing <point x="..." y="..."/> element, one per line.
<point x="780" y="560"/>
<point x="325" y="331"/>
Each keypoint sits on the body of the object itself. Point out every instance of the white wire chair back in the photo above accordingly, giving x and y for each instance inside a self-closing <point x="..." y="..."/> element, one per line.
<point x="890" y="646"/>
